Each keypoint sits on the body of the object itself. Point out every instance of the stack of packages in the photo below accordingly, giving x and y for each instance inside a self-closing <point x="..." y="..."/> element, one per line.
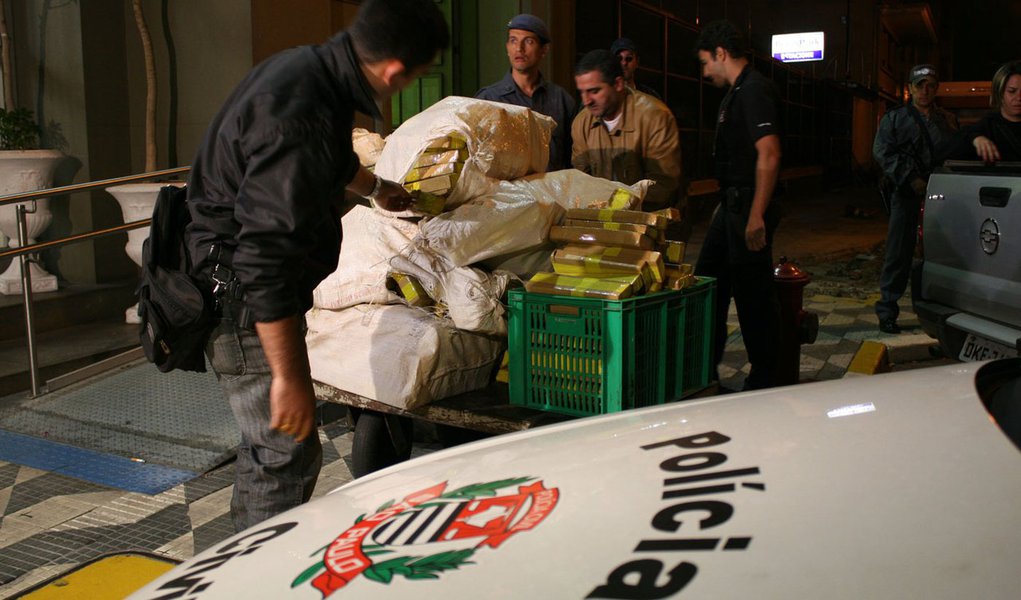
<point x="434" y="173"/>
<point x="613" y="255"/>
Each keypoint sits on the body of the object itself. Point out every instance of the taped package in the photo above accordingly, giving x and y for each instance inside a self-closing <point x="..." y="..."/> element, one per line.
<point x="408" y="288"/>
<point x="595" y="257"/>
<point x="673" y="251"/>
<point x="603" y="266"/>
<point x="600" y="237"/>
<point x="619" y="216"/>
<point x="402" y="356"/>
<point x="606" y="288"/>
<point x="680" y="276"/>
<point x="653" y="232"/>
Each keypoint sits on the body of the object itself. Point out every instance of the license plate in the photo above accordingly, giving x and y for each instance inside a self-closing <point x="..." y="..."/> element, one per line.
<point x="979" y="348"/>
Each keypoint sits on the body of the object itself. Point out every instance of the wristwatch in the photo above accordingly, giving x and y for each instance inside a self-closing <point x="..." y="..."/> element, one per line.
<point x="375" y="189"/>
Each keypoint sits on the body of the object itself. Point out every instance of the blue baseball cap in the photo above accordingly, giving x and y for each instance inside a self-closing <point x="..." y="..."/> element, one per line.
<point x="531" y="23"/>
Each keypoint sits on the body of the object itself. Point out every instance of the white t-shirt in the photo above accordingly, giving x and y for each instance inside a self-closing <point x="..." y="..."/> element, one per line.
<point x="612" y="124"/>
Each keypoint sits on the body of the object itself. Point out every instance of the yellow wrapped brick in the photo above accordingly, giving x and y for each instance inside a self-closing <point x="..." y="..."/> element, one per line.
<point x="673" y="251"/>
<point x="438" y="158"/>
<point x="612" y="257"/>
<point x="441" y="186"/>
<point x="618" y="216"/>
<point x="675" y="282"/>
<point x="596" y="266"/>
<point x="427" y="203"/>
<point x="420" y="173"/>
<point x="620" y="199"/>
<point x="609" y="288"/>
<point x="671" y="214"/>
<point x="452" y="141"/>
<point x="601" y="237"/>
<point x="409" y="288"/>
<point x="644" y="229"/>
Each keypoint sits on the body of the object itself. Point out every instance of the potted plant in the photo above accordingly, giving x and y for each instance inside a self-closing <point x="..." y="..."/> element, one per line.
<point x="23" y="167"/>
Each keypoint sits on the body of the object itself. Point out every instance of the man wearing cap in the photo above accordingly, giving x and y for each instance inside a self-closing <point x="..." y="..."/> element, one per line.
<point x="624" y="135"/>
<point x="528" y="40"/>
<point x="625" y="50"/>
<point x="907" y="142"/>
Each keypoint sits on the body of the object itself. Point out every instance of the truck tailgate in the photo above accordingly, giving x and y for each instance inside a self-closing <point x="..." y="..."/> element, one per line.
<point x="972" y="244"/>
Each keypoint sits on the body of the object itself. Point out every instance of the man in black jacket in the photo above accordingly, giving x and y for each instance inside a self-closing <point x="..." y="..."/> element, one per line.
<point x="264" y="193"/>
<point x="907" y="142"/>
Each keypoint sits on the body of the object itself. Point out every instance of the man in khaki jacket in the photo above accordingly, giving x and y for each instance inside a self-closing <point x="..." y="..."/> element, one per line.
<point x="624" y="135"/>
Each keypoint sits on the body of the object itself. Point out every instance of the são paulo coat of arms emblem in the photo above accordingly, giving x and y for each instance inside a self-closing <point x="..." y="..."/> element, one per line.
<point x="429" y="532"/>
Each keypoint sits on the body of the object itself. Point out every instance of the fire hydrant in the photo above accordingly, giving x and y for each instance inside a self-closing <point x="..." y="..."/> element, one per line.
<point x="797" y="326"/>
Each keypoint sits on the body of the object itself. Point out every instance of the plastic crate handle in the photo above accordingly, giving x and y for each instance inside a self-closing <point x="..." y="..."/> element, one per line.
<point x="560" y="309"/>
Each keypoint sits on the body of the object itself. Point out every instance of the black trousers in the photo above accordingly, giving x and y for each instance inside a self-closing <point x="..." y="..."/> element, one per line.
<point x="747" y="277"/>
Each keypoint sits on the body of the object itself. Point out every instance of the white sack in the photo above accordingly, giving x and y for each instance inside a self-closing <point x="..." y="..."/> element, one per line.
<point x="471" y="296"/>
<point x="367" y="145"/>
<point x="516" y="216"/>
<point x="371" y="238"/>
<point x="504" y="142"/>
<point x="401" y="356"/>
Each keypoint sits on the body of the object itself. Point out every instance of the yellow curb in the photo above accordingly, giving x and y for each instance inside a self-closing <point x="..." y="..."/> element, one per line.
<point x="872" y="357"/>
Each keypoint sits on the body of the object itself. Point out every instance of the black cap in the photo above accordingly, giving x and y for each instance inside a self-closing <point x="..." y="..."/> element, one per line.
<point x="920" y="72"/>
<point x="531" y="23"/>
<point x="623" y="44"/>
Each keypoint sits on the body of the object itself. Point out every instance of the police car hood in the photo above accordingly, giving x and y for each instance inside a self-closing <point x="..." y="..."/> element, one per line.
<point x="883" y="487"/>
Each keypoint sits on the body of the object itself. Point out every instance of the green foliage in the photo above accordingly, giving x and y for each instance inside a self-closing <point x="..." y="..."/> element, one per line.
<point x="18" y="130"/>
<point x="417" y="567"/>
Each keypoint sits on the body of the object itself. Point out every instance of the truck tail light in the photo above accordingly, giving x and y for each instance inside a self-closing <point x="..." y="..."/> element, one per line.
<point x="920" y="246"/>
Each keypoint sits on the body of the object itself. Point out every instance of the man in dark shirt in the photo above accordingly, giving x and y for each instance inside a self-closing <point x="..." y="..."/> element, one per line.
<point x="907" y="142"/>
<point x="626" y="50"/>
<point x="263" y="195"/>
<point x="528" y="41"/>
<point x="738" y="246"/>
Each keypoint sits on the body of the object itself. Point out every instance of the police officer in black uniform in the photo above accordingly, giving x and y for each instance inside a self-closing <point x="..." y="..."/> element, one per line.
<point x="738" y="247"/>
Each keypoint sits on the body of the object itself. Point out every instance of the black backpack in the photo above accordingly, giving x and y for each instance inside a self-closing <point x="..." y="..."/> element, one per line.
<point x="175" y="309"/>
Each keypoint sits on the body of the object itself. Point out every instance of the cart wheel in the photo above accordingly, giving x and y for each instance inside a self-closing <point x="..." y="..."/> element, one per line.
<point x="374" y="447"/>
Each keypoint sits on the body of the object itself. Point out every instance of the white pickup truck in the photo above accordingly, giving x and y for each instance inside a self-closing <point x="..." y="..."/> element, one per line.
<point x="966" y="288"/>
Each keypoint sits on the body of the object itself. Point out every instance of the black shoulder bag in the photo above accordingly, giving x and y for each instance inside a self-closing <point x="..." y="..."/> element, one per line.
<point x="175" y="310"/>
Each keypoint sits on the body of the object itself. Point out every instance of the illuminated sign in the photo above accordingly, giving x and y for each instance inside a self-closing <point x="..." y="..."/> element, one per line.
<point x="799" y="47"/>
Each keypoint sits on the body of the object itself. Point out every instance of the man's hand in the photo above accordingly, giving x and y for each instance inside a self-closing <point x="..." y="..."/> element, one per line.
<point x="393" y="197"/>
<point x="755" y="233"/>
<point x="986" y="149"/>
<point x="291" y="399"/>
<point x="292" y="407"/>
<point x="918" y="186"/>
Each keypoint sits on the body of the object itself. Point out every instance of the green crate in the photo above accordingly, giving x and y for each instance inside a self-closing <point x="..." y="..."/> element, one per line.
<point x="586" y="356"/>
<point x="691" y="367"/>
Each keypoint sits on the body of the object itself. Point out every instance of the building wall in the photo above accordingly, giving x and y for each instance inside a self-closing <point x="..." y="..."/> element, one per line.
<point x="80" y="66"/>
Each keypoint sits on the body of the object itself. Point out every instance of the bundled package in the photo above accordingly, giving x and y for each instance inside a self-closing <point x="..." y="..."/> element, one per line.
<point x="598" y="259"/>
<point x="409" y="288"/>
<point x="434" y="172"/>
<point x="680" y="276"/>
<point x="606" y="288"/>
<point x="618" y="216"/>
<point x="673" y="251"/>
<point x="600" y="237"/>
<point x="654" y="233"/>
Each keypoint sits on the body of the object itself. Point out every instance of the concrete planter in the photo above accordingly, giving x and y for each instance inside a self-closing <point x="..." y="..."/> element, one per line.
<point x="137" y="201"/>
<point x="24" y="171"/>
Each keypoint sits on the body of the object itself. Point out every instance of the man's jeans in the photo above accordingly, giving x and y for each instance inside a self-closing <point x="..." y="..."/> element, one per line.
<point x="272" y="473"/>
<point x="900" y="248"/>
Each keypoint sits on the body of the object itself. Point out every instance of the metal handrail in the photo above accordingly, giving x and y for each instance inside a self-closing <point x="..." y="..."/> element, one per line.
<point x="26" y="199"/>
